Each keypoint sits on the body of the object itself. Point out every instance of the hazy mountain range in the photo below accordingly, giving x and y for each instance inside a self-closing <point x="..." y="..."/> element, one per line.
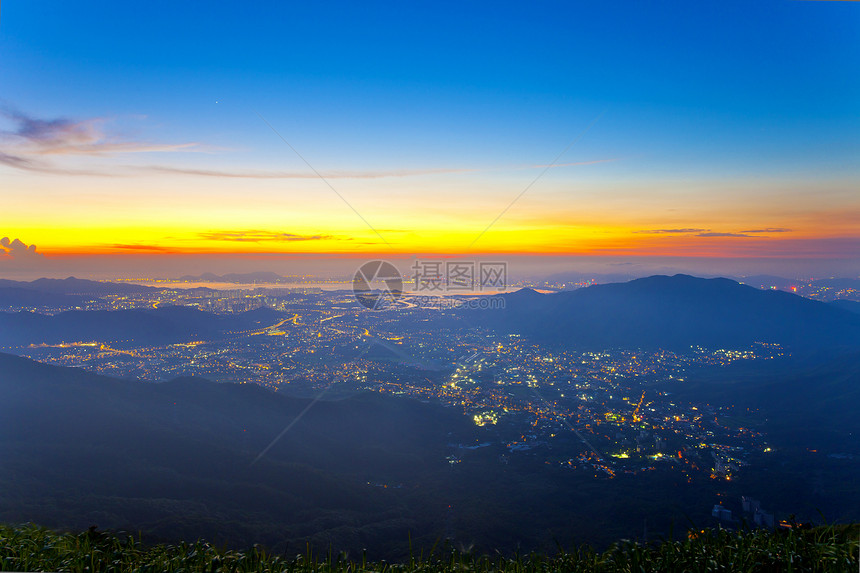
<point x="13" y="297"/>
<point x="159" y="326"/>
<point x="75" y="286"/>
<point x="242" y="278"/>
<point x="61" y="293"/>
<point x="655" y="312"/>
<point x="758" y="281"/>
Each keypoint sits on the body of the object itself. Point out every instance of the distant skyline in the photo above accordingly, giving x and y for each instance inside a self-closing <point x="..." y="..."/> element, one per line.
<point x="662" y="135"/>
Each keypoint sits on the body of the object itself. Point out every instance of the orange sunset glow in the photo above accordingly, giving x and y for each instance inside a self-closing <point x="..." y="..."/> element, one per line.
<point x="302" y="161"/>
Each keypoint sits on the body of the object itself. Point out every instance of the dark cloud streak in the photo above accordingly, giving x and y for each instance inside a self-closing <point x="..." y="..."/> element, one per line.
<point x="255" y="236"/>
<point x="29" y="141"/>
<point x="294" y="175"/>
<point x="670" y="231"/>
<point x="142" y="248"/>
<point x="722" y="235"/>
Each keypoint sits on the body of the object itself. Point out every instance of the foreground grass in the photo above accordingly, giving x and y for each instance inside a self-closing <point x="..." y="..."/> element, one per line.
<point x="31" y="548"/>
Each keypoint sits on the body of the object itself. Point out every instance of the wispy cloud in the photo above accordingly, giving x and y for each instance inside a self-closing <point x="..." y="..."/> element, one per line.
<point x="723" y="235"/>
<point x="33" y="144"/>
<point x="255" y="236"/>
<point x="301" y="175"/>
<point x="671" y="231"/>
<point x="38" y="145"/>
<point x="709" y="232"/>
<point x="379" y="174"/>
<point x="141" y="248"/>
<point x="74" y="137"/>
<point x="15" y="161"/>
<point x="556" y="165"/>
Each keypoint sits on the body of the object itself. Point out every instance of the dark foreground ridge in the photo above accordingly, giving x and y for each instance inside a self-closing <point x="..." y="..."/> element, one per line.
<point x="30" y="548"/>
<point x="181" y="460"/>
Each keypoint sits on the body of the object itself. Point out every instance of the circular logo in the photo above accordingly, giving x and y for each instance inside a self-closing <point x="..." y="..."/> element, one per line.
<point x="377" y="284"/>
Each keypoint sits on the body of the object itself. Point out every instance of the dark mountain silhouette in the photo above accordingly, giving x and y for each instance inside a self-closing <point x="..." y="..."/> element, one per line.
<point x="673" y="312"/>
<point x="72" y="285"/>
<point x="525" y="296"/>
<point x="849" y="305"/>
<point x="133" y="327"/>
<point x="18" y="297"/>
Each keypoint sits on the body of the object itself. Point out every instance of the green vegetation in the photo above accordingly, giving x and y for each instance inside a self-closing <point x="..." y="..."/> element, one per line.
<point x="30" y="548"/>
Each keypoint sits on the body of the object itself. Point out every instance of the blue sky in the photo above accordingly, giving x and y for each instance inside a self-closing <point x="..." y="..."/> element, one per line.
<point x="688" y="96"/>
<point x="748" y="73"/>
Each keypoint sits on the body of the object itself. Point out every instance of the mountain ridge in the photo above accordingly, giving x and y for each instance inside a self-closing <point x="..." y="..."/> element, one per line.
<point x="76" y="286"/>
<point x="162" y="325"/>
<point x="674" y="312"/>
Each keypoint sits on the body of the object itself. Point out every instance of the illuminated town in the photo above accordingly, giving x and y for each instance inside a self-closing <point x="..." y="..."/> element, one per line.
<point x="604" y="413"/>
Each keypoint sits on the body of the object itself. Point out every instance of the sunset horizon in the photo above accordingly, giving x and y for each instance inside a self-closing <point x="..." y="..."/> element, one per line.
<point x="723" y="137"/>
